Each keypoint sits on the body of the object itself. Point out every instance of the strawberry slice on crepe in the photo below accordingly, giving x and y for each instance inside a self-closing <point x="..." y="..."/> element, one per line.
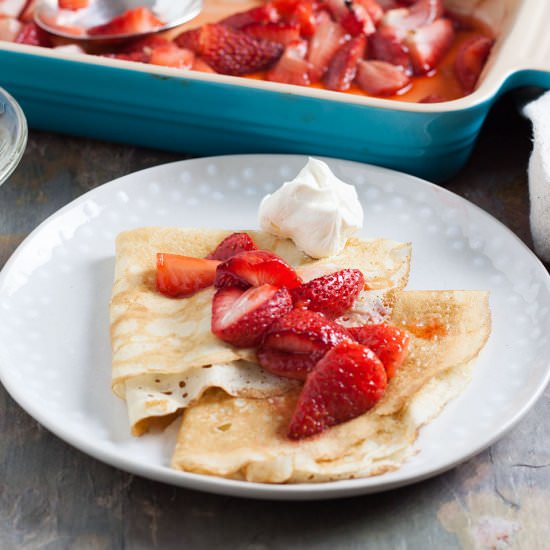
<point x="347" y="382"/>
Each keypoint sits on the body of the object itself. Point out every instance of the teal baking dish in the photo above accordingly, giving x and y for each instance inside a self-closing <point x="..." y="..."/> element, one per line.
<point x="207" y="114"/>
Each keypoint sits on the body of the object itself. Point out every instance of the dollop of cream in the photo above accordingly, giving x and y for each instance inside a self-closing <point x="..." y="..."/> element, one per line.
<point x="318" y="211"/>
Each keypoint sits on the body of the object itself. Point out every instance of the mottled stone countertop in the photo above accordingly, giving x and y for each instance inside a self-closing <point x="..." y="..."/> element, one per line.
<point x="54" y="497"/>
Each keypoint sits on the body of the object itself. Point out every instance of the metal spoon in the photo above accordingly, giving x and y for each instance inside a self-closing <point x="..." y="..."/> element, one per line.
<point x="59" y="22"/>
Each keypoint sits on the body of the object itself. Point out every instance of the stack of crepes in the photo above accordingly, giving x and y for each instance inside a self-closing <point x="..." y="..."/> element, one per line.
<point x="166" y="362"/>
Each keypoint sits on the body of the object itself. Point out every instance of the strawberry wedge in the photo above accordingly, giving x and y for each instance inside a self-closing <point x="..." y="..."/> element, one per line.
<point x="381" y="78"/>
<point x="256" y="268"/>
<point x="331" y="294"/>
<point x="181" y="276"/>
<point x="470" y="60"/>
<point x="136" y="20"/>
<point x="345" y="383"/>
<point x="427" y="45"/>
<point x="230" y="51"/>
<point x="296" y="341"/>
<point x="232" y="245"/>
<point x="240" y="317"/>
<point x="387" y="341"/>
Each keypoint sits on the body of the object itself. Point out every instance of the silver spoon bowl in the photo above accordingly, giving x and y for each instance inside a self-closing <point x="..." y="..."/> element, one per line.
<point x="172" y="13"/>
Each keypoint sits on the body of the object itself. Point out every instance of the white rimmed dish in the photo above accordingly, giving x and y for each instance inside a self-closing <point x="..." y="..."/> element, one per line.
<point x="204" y="114"/>
<point x="59" y="372"/>
<point x="13" y="135"/>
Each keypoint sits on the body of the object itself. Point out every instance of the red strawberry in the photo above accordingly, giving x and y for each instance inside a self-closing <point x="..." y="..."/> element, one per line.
<point x="72" y="4"/>
<point x="290" y="365"/>
<point x="470" y="60"/>
<point x="292" y="68"/>
<point x="261" y="14"/>
<point x="169" y="55"/>
<point x="9" y="28"/>
<point x="255" y="268"/>
<point x="381" y="78"/>
<point x="231" y="245"/>
<point x="323" y="45"/>
<point x="421" y="13"/>
<point x="301" y="12"/>
<point x="331" y="294"/>
<point x="357" y="20"/>
<point x="229" y="51"/>
<point x="26" y="14"/>
<point x="300" y="339"/>
<point x="135" y="20"/>
<point x="179" y="276"/>
<point x="240" y="317"/>
<point x="140" y="57"/>
<point x="387" y="45"/>
<point x="343" y="67"/>
<point x="387" y="341"/>
<point x="34" y="35"/>
<point x="427" y="45"/>
<point x="283" y="33"/>
<point x="345" y="383"/>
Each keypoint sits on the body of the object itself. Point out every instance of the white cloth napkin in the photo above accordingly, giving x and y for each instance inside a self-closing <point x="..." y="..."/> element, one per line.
<point x="539" y="174"/>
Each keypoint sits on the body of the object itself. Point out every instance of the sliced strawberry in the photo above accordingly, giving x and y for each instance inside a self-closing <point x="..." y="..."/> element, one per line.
<point x="421" y="13"/>
<point x="267" y="13"/>
<point x="343" y="67"/>
<point x="229" y="51"/>
<point x="256" y="268"/>
<point x="240" y="317"/>
<point x="282" y="33"/>
<point x="347" y="382"/>
<point x="26" y="15"/>
<point x="34" y="35"/>
<point x="296" y="341"/>
<point x="9" y="28"/>
<point x="381" y="78"/>
<point x="179" y="276"/>
<point x="470" y="59"/>
<point x="292" y="68"/>
<point x="331" y="294"/>
<point x="387" y="45"/>
<point x="323" y="45"/>
<point x="387" y="341"/>
<point x="72" y="4"/>
<point x="357" y="20"/>
<point x="230" y="246"/>
<point x="301" y="12"/>
<point x="287" y="364"/>
<point x="169" y="55"/>
<point x="427" y="45"/>
<point x="135" y="20"/>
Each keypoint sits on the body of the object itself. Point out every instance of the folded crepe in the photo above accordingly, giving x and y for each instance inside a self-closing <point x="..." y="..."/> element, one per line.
<point x="164" y="353"/>
<point x="245" y="438"/>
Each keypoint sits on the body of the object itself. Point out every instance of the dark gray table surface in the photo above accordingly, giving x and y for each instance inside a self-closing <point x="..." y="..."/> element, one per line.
<point x="54" y="497"/>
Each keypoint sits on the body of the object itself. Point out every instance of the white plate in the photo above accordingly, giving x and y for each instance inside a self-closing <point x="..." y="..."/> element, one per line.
<point x="55" y="290"/>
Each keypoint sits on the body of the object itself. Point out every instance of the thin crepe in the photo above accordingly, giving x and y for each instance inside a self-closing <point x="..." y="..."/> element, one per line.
<point x="244" y="438"/>
<point x="164" y="353"/>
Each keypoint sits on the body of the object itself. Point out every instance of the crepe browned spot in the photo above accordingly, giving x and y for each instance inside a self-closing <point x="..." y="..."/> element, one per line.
<point x="246" y="438"/>
<point x="164" y="353"/>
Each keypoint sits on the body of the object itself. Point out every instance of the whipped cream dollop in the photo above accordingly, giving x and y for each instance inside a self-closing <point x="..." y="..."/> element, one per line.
<point x="318" y="211"/>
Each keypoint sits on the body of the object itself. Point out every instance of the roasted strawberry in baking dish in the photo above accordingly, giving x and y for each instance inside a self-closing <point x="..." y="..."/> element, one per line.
<point x="399" y="49"/>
